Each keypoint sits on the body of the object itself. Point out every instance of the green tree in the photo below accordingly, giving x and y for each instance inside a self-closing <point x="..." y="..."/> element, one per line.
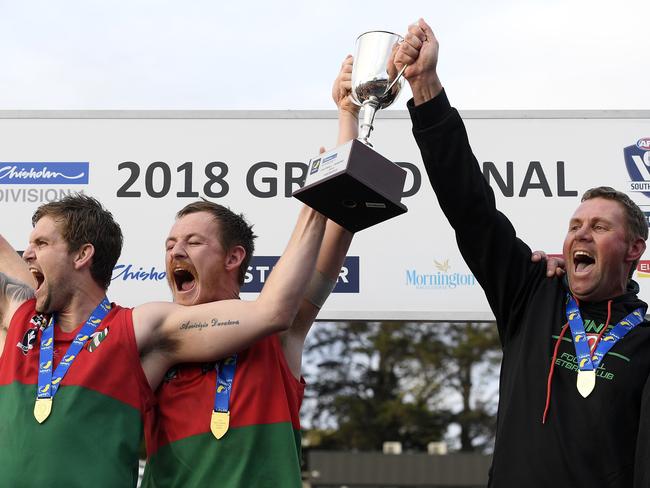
<point x="370" y="386"/>
<point x="471" y="362"/>
<point x="389" y="381"/>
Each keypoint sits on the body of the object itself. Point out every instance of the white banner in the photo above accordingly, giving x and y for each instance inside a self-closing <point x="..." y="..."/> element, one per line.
<point x="145" y="168"/>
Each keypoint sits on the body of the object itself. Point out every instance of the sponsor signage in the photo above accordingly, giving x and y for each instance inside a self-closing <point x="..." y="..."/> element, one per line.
<point x="133" y="272"/>
<point x="440" y="276"/>
<point x="412" y="268"/>
<point x="643" y="269"/>
<point x="261" y="267"/>
<point x="257" y="274"/>
<point x="637" y="162"/>
<point x="43" y="173"/>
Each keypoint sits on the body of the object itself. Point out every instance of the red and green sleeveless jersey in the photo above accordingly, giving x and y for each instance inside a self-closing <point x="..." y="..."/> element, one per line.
<point x="262" y="445"/>
<point x="93" y="435"/>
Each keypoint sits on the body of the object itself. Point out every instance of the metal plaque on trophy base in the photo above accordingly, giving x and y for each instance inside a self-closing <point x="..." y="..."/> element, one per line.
<point x="354" y="186"/>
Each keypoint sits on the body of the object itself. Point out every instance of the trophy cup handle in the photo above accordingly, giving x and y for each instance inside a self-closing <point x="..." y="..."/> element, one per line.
<point x="399" y="75"/>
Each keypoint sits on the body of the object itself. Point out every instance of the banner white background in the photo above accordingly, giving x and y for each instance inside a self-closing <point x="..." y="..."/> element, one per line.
<point x="420" y="242"/>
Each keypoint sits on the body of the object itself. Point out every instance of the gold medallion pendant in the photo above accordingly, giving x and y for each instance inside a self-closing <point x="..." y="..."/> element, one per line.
<point x="42" y="409"/>
<point x="219" y="423"/>
<point x="586" y="382"/>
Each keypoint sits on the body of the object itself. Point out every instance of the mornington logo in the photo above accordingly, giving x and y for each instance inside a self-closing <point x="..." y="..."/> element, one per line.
<point x="439" y="278"/>
<point x="637" y="162"/>
<point x="43" y="173"/>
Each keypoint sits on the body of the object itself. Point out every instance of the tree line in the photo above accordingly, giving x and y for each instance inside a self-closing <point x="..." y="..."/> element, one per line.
<point x="411" y="382"/>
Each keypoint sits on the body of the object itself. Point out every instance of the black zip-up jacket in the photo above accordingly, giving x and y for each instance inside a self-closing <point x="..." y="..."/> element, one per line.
<point x="585" y="442"/>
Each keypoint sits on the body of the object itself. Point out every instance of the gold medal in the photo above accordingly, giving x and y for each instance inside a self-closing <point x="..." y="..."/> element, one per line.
<point x="42" y="409"/>
<point x="219" y="423"/>
<point x="586" y="382"/>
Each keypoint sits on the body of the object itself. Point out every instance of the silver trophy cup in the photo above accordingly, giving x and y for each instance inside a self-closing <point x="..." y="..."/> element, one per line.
<point x="353" y="185"/>
<point x="375" y="80"/>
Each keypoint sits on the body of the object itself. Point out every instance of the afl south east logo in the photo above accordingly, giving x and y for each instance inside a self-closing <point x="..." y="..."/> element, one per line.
<point x="637" y="162"/>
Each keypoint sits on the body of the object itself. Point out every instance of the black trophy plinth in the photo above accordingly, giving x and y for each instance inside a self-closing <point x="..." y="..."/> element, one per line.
<point x="360" y="189"/>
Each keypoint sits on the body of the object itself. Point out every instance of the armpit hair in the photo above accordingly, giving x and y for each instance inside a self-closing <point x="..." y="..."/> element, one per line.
<point x="166" y="345"/>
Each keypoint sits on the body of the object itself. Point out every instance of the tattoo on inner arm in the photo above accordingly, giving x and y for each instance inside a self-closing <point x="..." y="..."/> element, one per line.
<point x="214" y="322"/>
<point x="14" y="289"/>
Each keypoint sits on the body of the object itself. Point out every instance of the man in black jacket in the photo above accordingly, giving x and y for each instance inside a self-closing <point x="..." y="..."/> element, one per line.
<point x="575" y="350"/>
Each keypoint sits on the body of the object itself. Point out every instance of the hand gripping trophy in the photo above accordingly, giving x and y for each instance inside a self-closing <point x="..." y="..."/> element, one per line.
<point x="352" y="184"/>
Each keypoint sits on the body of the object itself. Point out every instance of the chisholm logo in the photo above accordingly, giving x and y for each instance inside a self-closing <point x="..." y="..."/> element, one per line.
<point x="440" y="278"/>
<point x="43" y="173"/>
<point x="128" y="272"/>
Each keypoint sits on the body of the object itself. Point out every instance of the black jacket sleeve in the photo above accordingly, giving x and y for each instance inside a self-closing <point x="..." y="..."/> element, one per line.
<point x="486" y="238"/>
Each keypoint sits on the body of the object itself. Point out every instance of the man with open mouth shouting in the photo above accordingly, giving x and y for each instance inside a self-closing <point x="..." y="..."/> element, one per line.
<point x="208" y="251"/>
<point x="575" y="351"/>
<point x="77" y="373"/>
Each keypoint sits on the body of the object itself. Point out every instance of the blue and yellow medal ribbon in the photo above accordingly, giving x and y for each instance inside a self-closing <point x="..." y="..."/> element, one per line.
<point x="588" y="360"/>
<point x="48" y="382"/>
<point x="220" y="420"/>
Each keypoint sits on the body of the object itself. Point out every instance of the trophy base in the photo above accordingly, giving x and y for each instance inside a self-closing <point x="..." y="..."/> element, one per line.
<point x="354" y="186"/>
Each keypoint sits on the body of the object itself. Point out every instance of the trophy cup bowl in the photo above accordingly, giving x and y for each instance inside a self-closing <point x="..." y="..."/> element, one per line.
<point x="375" y="80"/>
<point x="353" y="185"/>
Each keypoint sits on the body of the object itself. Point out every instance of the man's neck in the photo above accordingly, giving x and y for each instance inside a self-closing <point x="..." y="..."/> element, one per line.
<point x="79" y="308"/>
<point x="227" y="293"/>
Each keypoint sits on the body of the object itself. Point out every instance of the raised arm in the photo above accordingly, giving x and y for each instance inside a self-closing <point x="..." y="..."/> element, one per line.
<point x="487" y="240"/>
<point x="330" y="259"/>
<point x="16" y="285"/>
<point x="336" y="241"/>
<point x="167" y="334"/>
<point x="347" y="110"/>
<point x="420" y="53"/>
<point x="12" y="264"/>
<point x="12" y="295"/>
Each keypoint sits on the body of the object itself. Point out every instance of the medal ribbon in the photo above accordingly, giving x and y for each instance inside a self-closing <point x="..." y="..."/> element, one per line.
<point x="49" y="383"/>
<point x="225" y="374"/>
<point x="588" y="361"/>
